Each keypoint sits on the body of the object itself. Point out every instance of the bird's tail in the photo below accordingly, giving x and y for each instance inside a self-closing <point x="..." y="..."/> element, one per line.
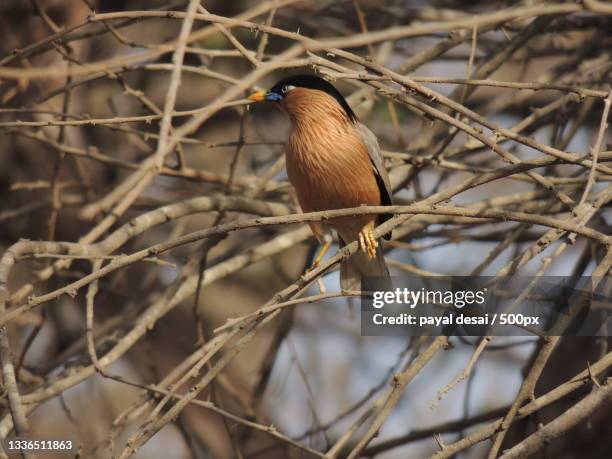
<point x="359" y="265"/>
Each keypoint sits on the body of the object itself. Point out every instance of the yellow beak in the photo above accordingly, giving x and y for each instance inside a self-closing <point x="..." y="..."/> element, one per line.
<point x="257" y="96"/>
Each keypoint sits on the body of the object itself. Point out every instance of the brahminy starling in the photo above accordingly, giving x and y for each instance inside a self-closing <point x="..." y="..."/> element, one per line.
<point x="334" y="162"/>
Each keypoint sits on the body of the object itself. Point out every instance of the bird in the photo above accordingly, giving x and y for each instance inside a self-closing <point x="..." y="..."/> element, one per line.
<point x="334" y="162"/>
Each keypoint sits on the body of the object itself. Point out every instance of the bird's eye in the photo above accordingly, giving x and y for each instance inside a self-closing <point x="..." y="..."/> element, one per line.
<point x="285" y="89"/>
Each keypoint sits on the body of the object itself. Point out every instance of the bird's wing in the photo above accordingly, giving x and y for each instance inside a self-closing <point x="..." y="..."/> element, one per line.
<point x="382" y="177"/>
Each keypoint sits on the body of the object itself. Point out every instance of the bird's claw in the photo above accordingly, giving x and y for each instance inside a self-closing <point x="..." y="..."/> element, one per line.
<point x="312" y="267"/>
<point x="367" y="242"/>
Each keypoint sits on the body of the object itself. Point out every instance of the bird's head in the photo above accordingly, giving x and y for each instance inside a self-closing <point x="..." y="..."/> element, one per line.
<point x="304" y="96"/>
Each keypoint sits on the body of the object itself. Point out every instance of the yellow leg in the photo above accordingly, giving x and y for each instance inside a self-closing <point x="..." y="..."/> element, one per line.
<point x="327" y="242"/>
<point x="367" y="241"/>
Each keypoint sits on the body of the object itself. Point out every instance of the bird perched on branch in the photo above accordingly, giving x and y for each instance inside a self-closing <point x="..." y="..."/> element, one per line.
<point x="334" y="162"/>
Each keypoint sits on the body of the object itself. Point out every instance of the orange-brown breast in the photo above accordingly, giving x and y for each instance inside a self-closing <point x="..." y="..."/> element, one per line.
<point x="327" y="161"/>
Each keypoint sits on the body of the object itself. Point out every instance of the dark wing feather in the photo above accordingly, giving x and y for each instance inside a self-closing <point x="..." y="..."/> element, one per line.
<point x="382" y="177"/>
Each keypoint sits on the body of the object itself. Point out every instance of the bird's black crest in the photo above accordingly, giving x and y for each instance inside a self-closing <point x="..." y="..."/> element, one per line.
<point x="315" y="82"/>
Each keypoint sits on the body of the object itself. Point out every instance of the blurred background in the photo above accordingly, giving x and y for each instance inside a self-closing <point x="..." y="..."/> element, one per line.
<point x="309" y="373"/>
